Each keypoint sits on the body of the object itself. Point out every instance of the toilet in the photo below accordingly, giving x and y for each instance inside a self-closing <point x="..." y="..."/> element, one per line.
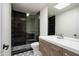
<point x="35" y="47"/>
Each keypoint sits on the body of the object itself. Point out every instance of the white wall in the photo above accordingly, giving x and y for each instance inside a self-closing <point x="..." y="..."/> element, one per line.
<point x="44" y="21"/>
<point x="77" y="24"/>
<point x="66" y="22"/>
<point x="0" y="29"/>
<point x="6" y="27"/>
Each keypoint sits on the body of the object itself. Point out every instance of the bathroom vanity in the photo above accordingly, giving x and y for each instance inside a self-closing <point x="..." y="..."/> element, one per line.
<point x="52" y="46"/>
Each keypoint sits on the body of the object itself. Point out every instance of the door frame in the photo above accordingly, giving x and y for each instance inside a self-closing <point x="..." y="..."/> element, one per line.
<point x="0" y="29"/>
<point x="5" y="29"/>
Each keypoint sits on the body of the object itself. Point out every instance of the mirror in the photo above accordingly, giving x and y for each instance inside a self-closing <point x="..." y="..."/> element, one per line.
<point x="64" y="21"/>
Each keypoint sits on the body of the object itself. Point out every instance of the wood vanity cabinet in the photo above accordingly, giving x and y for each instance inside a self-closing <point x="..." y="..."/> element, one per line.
<point x="44" y="49"/>
<point x="48" y="49"/>
<point x="69" y="53"/>
<point x="55" y="50"/>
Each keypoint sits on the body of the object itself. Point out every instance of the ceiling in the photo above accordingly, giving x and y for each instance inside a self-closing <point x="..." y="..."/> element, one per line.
<point x="34" y="8"/>
<point x="54" y="11"/>
<point x="31" y="8"/>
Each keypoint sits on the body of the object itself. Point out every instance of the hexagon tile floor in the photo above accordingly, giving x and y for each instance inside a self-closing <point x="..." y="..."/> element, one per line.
<point x="28" y="53"/>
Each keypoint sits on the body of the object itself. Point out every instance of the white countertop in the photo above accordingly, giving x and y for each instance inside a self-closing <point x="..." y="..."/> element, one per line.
<point x="70" y="44"/>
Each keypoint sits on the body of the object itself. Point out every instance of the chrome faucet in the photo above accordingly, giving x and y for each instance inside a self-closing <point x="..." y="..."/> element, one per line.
<point x="60" y="36"/>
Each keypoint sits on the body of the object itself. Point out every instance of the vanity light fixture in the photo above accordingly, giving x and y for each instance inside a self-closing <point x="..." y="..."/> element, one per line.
<point x="61" y="5"/>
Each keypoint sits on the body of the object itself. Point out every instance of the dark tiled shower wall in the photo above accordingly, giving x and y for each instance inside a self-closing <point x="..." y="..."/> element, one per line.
<point x="18" y="28"/>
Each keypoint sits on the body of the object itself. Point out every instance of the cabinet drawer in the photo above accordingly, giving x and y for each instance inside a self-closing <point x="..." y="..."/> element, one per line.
<point x="55" y="50"/>
<point x="50" y="49"/>
<point x="44" y="49"/>
<point x="69" y="53"/>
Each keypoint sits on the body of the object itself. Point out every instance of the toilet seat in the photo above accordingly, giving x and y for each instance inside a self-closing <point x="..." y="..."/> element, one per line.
<point x="35" y="47"/>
